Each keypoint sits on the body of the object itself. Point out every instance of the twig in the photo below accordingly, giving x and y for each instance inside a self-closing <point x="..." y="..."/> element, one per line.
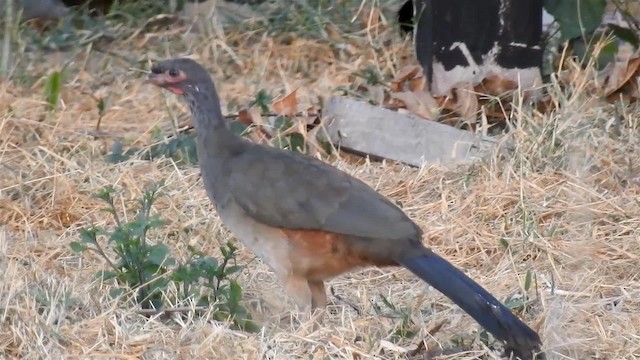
<point x="235" y="116"/>
<point x="184" y="309"/>
<point x="339" y="298"/>
<point x="99" y="251"/>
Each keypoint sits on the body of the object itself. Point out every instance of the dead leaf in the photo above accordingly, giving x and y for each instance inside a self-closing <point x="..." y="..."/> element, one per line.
<point x="632" y="88"/>
<point x="446" y="103"/>
<point x="244" y="117"/>
<point x="418" y="83"/>
<point x="466" y="103"/>
<point x="419" y="103"/>
<point x="406" y="73"/>
<point x="621" y="73"/>
<point x="496" y="85"/>
<point x="287" y="106"/>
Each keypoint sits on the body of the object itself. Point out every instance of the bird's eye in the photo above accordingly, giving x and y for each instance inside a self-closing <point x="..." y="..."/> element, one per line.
<point x="173" y="72"/>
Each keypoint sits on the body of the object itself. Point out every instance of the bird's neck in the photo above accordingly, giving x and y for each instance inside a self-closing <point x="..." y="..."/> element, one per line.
<point x="212" y="132"/>
<point x="205" y="108"/>
<point x="215" y="143"/>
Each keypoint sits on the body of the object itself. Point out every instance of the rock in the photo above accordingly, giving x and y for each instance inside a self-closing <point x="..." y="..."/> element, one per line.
<point x="364" y="128"/>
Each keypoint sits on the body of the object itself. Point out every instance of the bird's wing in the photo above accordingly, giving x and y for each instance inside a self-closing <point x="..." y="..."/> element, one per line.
<point x="285" y="189"/>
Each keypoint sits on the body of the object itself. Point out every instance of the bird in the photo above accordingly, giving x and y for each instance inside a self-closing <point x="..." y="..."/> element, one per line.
<point x="310" y="221"/>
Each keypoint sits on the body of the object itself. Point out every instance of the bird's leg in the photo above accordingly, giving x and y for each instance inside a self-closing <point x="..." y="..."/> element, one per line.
<point x="310" y="296"/>
<point x="318" y="294"/>
<point x="298" y="288"/>
<point x="318" y="301"/>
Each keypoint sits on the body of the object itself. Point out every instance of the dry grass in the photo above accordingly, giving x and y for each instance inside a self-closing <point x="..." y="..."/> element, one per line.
<point x="569" y="211"/>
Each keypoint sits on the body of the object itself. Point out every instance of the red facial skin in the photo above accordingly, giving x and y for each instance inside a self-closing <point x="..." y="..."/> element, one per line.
<point x="165" y="80"/>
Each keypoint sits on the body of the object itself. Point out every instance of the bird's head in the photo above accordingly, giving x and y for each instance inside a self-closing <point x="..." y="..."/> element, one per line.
<point x="181" y="76"/>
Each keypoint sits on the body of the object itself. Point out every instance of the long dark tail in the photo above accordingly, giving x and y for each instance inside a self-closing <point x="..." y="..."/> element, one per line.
<point x="496" y="318"/>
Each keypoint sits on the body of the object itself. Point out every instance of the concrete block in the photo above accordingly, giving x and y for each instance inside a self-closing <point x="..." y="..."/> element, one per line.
<point x="364" y="128"/>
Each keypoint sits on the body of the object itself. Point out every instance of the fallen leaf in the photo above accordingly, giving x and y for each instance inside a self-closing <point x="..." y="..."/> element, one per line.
<point x="287" y="106"/>
<point x="418" y="102"/>
<point x="406" y="73"/>
<point x="466" y="103"/>
<point x="496" y="85"/>
<point x="621" y="73"/>
<point x="417" y="83"/>
<point x="244" y="117"/>
<point x="446" y="103"/>
<point x="632" y="88"/>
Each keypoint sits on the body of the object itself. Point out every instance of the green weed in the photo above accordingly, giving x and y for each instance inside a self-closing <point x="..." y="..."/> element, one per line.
<point x="150" y="270"/>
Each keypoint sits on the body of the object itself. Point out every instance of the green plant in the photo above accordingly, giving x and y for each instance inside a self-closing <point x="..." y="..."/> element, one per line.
<point x="576" y="17"/>
<point x="283" y="137"/>
<point x="262" y="100"/>
<point x="150" y="270"/>
<point x="580" y="23"/>
<point x="406" y="329"/>
<point x="293" y="141"/>
<point x="516" y="303"/>
<point x="180" y="147"/>
<point x="52" y="89"/>
<point x="208" y="280"/>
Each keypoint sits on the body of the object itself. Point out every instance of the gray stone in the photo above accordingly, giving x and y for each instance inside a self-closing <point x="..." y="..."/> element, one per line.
<point x="364" y="128"/>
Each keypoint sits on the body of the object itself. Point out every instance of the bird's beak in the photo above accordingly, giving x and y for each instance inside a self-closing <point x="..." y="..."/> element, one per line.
<point x="156" y="79"/>
<point x="164" y="81"/>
